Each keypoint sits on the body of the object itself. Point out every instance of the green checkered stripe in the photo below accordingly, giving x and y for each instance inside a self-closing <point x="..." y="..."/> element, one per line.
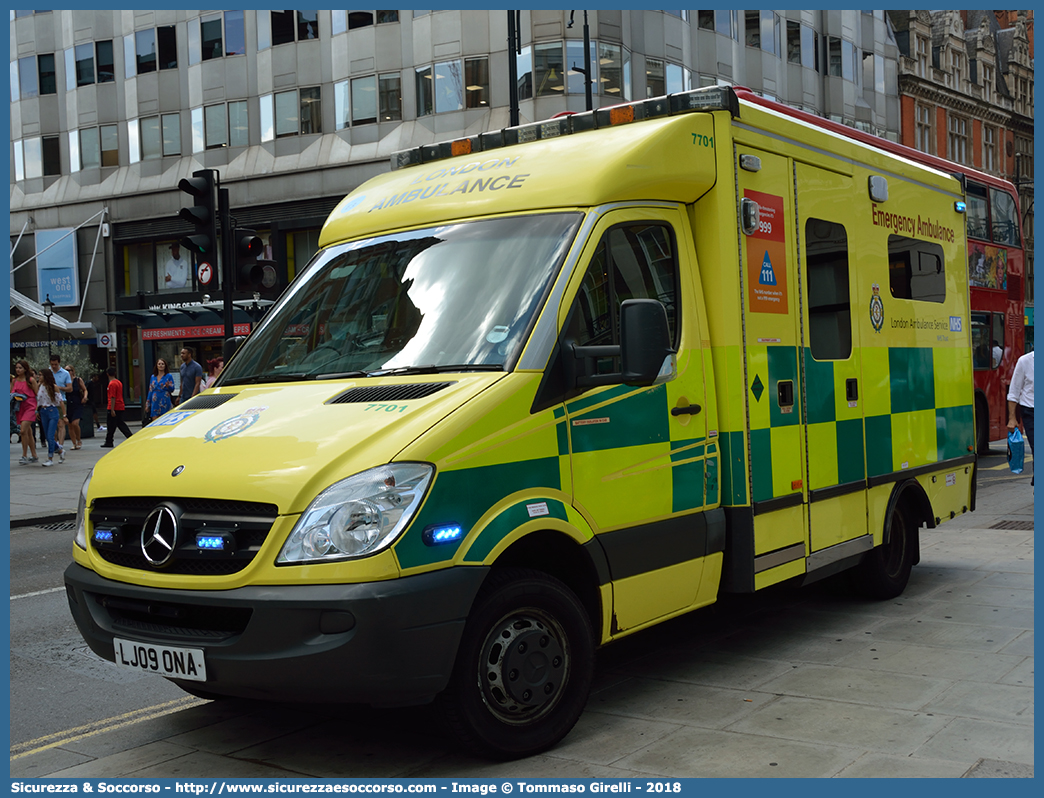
<point x="911" y="378"/>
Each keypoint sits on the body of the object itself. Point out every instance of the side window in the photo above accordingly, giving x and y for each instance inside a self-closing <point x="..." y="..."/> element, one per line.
<point x="829" y="303"/>
<point x="635" y="261"/>
<point x="915" y="269"/>
<point x="981" y="333"/>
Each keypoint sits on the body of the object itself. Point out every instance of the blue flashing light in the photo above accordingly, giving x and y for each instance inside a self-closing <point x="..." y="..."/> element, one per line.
<point x="444" y="533"/>
<point x="210" y="542"/>
<point x="104" y="536"/>
<point x="960" y="207"/>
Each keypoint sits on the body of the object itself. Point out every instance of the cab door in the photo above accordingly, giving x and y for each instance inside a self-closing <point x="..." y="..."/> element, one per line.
<point x="638" y="454"/>
<point x="834" y="393"/>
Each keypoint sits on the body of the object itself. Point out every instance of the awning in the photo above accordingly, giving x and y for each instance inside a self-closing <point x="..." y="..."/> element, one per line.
<point x="26" y="313"/>
<point x="196" y="320"/>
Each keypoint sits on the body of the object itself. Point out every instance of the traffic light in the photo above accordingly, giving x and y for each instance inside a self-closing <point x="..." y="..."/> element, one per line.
<point x="251" y="273"/>
<point x="203" y="243"/>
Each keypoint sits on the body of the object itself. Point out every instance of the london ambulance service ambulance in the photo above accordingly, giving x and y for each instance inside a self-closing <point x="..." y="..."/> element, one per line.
<point x="540" y="389"/>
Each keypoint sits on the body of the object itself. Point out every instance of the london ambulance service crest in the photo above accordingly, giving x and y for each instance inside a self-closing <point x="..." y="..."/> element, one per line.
<point x="234" y="425"/>
<point x="877" y="309"/>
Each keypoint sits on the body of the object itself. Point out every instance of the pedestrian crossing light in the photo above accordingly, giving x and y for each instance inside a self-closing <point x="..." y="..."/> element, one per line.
<point x="203" y="243"/>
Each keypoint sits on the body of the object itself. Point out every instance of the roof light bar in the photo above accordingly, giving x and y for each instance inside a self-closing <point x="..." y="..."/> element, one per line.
<point x="709" y="98"/>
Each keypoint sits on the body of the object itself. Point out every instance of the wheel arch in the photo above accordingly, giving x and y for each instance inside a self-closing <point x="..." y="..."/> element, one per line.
<point x="582" y="568"/>
<point x="909" y="496"/>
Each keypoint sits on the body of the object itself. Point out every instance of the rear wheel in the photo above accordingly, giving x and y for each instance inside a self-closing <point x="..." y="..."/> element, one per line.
<point x="524" y="667"/>
<point x="885" y="571"/>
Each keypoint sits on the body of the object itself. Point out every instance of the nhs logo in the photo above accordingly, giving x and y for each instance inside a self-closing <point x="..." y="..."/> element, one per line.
<point x="955" y="323"/>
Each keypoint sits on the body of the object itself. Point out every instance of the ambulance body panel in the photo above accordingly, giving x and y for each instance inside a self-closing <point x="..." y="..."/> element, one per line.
<point x="533" y="399"/>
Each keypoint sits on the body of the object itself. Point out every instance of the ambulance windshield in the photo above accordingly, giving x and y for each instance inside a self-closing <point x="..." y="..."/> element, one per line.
<point x="456" y="297"/>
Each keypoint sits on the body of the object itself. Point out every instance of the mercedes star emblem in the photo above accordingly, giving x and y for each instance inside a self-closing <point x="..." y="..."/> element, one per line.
<point x="159" y="536"/>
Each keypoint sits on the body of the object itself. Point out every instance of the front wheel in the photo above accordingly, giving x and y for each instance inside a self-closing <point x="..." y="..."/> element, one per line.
<point x="885" y="571"/>
<point x="524" y="667"/>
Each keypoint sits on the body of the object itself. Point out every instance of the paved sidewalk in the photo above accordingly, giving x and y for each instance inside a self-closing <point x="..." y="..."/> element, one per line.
<point x="48" y="495"/>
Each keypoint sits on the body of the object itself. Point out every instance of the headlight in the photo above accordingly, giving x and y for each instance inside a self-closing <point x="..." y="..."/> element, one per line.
<point x="358" y="516"/>
<point x="81" y="514"/>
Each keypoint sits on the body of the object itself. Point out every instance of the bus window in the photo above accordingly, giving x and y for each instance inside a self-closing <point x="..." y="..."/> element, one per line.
<point x="1005" y="218"/>
<point x="980" y="323"/>
<point x="997" y="340"/>
<point x="978" y="213"/>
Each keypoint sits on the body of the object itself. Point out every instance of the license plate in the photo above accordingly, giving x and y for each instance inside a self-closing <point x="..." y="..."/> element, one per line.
<point x="177" y="663"/>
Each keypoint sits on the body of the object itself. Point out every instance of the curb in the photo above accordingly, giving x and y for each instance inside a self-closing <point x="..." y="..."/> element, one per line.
<point x="42" y="520"/>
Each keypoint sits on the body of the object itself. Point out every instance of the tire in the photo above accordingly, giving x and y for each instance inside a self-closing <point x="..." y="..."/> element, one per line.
<point x="982" y="428"/>
<point x="524" y="667"/>
<point x="885" y="571"/>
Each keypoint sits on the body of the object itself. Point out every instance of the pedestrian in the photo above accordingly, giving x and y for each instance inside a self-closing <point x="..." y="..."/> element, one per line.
<point x="1020" y="401"/>
<point x="159" y="399"/>
<point x="191" y="376"/>
<point x="115" y="408"/>
<point x="63" y="381"/>
<point x="52" y="409"/>
<point x="24" y="384"/>
<point x="75" y="399"/>
<point x="96" y="396"/>
<point x="213" y="371"/>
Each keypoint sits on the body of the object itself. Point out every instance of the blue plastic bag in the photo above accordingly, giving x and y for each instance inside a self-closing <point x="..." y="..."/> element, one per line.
<point x="1016" y="451"/>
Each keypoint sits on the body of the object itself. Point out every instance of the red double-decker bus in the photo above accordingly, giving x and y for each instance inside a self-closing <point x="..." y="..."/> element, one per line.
<point x="996" y="263"/>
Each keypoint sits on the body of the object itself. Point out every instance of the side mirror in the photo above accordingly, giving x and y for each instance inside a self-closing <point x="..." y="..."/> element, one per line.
<point x="645" y="343"/>
<point x="231" y="346"/>
<point x="645" y="351"/>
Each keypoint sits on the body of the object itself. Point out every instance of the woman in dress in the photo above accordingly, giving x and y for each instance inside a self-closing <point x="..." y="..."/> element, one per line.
<point x="74" y="401"/>
<point x="161" y="389"/>
<point x="24" y="385"/>
<point x="49" y="400"/>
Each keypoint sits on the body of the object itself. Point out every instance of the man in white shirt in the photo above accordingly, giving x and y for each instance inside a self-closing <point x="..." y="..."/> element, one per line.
<point x="1020" y="397"/>
<point x="177" y="272"/>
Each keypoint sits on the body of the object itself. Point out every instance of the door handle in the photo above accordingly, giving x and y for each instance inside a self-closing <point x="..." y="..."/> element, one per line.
<point x="690" y="410"/>
<point x="851" y="390"/>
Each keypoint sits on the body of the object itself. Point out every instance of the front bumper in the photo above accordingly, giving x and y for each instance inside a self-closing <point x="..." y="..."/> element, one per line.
<point x="383" y="643"/>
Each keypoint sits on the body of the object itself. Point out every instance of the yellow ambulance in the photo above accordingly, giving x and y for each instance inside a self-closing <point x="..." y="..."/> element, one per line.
<point x="542" y="388"/>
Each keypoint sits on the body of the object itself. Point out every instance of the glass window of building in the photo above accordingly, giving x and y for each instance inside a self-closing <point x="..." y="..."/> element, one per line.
<point x="359" y="19"/>
<point x="868" y="69"/>
<point x="84" y="64"/>
<point x="384" y="17"/>
<point x="548" y="69"/>
<point x="848" y="56"/>
<point x="364" y="100"/>
<point x="705" y="20"/>
<point x="210" y="34"/>
<point x="476" y="82"/>
<point x="171" y="125"/>
<point x="33" y="158"/>
<point x="793" y="42"/>
<point x="922" y="56"/>
<point x="48" y="75"/>
<point x="425" y="92"/>
<point x="145" y="50"/>
<point x="989" y="148"/>
<point x="286" y="113"/>
<point x="958" y="139"/>
<point x="342" y="105"/>
<point x="215" y="126"/>
<point x="833" y="56"/>
<point x="151" y="138"/>
<point x="655" y="83"/>
<point x="987" y="83"/>
<point x="752" y="29"/>
<point x="235" y="33"/>
<point x="923" y="139"/>
<point x="283" y="27"/>
<point x="449" y="87"/>
<point x="575" y="78"/>
<point x="723" y="22"/>
<point x="28" y="81"/>
<point x="311" y="111"/>
<point x="390" y="88"/>
<point x="307" y="25"/>
<point x="238" y="125"/>
<point x="809" y="48"/>
<point x="90" y="148"/>
<point x="106" y="62"/>
<point x="110" y="145"/>
<point x="769" y="31"/>
<point x="167" y="43"/>
<point x="524" y="70"/>
<point x="677" y="79"/>
<point x="52" y="158"/>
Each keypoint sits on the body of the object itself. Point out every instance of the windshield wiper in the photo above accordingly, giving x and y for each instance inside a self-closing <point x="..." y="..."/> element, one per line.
<point x="340" y="375"/>
<point x="254" y="379"/>
<point x="432" y="369"/>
